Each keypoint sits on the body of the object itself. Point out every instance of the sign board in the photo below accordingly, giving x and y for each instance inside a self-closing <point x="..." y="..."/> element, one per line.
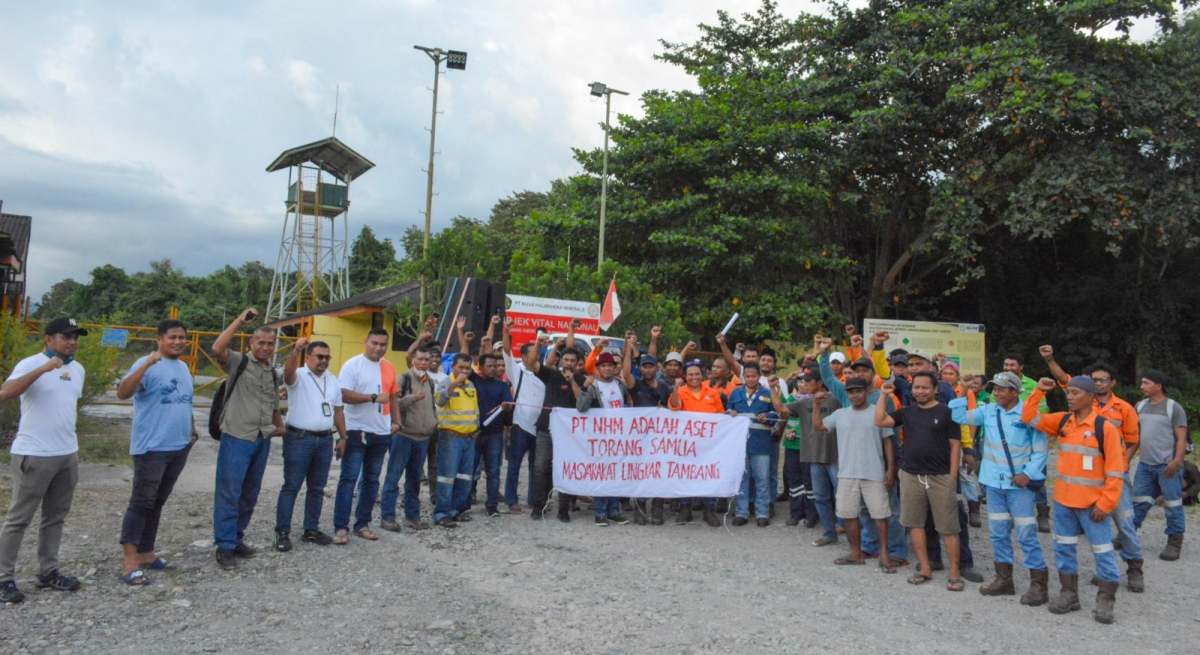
<point x="114" y="338"/>
<point x="648" y="452"/>
<point x="528" y="313"/>
<point x="962" y="343"/>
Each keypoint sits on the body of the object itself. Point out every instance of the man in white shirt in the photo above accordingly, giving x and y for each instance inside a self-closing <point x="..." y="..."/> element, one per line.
<point x="369" y="390"/>
<point x="315" y="410"/>
<point x="45" y="459"/>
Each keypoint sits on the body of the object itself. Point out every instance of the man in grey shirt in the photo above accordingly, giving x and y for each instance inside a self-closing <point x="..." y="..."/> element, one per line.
<point x="248" y="421"/>
<point x="1163" y="424"/>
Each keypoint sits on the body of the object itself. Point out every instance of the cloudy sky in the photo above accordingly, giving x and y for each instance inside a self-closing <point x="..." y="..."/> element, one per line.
<point x="143" y="133"/>
<point x="140" y="133"/>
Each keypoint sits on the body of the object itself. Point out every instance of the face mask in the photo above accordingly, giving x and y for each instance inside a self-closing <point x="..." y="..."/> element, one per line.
<point x="67" y="359"/>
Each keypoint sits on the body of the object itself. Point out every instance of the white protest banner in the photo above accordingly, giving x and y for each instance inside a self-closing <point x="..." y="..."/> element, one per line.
<point x="647" y="452"/>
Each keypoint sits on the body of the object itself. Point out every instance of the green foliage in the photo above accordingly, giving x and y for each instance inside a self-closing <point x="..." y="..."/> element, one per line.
<point x="369" y="258"/>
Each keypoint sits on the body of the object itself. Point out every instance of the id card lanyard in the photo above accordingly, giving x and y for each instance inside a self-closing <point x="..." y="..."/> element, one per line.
<point x="326" y="409"/>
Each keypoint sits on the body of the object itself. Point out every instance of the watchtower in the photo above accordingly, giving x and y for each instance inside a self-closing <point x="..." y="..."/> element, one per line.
<point x="313" y="266"/>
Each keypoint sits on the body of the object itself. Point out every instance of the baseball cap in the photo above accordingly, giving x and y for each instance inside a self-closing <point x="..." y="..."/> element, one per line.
<point x="606" y="358"/>
<point x="65" y="325"/>
<point x="863" y="362"/>
<point x="856" y="383"/>
<point x="647" y="360"/>
<point x="674" y="357"/>
<point x="918" y="354"/>
<point x="1005" y="379"/>
<point x="899" y="359"/>
<point x="838" y="357"/>
<point x="950" y="365"/>
<point x="1084" y="383"/>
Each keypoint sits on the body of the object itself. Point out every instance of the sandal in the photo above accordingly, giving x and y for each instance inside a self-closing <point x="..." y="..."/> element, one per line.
<point x="341" y="537"/>
<point x="159" y="564"/>
<point x="919" y="579"/>
<point x="135" y="578"/>
<point x="889" y="568"/>
<point x="845" y="561"/>
<point x="366" y="533"/>
<point x="955" y="584"/>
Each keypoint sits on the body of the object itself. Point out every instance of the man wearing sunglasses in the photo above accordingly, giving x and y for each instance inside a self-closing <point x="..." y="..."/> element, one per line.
<point x="315" y="410"/>
<point x="1122" y="415"/>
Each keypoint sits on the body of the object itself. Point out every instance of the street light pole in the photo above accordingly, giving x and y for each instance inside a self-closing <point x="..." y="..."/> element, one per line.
<point x="458" y="60"/>
<point x="601" y="89"/>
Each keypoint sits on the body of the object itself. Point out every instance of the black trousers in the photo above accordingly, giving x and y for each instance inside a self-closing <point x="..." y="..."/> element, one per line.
<point x="543" y="479"/>
<point x="154" y="477"/>
<point x="797" y="477"/>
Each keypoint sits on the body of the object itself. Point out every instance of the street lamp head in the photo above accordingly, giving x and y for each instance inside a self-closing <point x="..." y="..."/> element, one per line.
<point x="598" y="89"/>
<point x="456" y="59"/>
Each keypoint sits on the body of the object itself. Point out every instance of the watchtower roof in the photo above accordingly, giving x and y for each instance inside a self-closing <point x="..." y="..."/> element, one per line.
<point x="330" y="155"/>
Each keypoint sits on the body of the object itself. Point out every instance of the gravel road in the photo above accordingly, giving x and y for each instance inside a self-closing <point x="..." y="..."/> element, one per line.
<point x="511" y="585"/>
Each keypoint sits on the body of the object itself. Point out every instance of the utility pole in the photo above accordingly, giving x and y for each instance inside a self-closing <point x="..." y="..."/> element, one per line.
<point x="600" y="89"/>
<point x="458" y="60"/>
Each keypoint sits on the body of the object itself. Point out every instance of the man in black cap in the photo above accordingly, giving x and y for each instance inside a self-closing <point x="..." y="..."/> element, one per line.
<point x="45" y="455"/>
<point x="650" y="390"/>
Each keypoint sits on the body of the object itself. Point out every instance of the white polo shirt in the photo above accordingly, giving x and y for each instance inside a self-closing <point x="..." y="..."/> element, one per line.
<point x="529" y="393"/>
<point x="48" y="409"/>
<point x="312" y="400"/>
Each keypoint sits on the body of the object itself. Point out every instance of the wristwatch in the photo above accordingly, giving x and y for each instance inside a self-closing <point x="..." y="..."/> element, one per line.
<point x="374" y="397"/>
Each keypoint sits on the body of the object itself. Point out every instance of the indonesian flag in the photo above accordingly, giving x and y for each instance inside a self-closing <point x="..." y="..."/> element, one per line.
<point x="612" y="306"/>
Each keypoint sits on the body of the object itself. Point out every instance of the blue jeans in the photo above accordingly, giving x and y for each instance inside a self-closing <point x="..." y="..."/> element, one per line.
<point x="406" y="456"/>
<point x="602" y="507"/>
<point x="757" y="466"/>
<point x="1152" y="481"/>
<point x="1069" y="523"/>
<point x="489" y="450"/>
<point x="521" y="444"/>
<point x="774" y="476"/>
<point x="240" y="467"/>
<point x="897" y="535"/>
<point x="1008" y="508"/>
<point x="305" y="458"/>
<point x="824" y="487"/>
<point x="364" y="456"/>
<point x="455" y="464"/>
<point x="1131" y="546"/>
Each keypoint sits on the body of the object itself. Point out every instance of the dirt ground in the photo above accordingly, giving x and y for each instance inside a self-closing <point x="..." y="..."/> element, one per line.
<point x="512" y="585"/>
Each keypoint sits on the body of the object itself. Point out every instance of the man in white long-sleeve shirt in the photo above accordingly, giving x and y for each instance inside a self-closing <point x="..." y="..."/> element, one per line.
<point x="529" y="394"/>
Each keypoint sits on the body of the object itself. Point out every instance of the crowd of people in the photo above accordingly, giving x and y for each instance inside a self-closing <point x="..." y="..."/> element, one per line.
<point x="897" y="451"/>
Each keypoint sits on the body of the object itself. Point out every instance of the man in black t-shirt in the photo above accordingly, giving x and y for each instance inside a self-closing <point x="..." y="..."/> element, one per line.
<point x="929" y="460"/>
<point x="558" y="394"/>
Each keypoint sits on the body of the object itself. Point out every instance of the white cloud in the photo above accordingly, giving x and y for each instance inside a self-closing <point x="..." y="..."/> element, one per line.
<point x="302" y="76"/>
<point x="62" y="61"/>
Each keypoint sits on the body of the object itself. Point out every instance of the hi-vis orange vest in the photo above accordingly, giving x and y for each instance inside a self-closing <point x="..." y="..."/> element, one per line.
<point x="1087" y="473"/>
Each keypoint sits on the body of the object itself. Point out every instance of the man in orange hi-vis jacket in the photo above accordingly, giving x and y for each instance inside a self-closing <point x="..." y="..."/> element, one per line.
<point x="1091" y="473"/>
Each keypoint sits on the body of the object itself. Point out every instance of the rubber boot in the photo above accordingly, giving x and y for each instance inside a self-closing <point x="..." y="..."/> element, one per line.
<point x="656" y="511"/>
<point x="711" y="518"/>
<point x="685" y="513"/>
<point x="1068" y="596"/>
<point x="1043" y="518"/>
<point x="1002" y="584"/>
<point x="1105" y="599"/>
<point x="1173" y="549"/>
<point x="973" y="517"/>
<point x="1038" y="594"/>
<point x="1134" y="579"/>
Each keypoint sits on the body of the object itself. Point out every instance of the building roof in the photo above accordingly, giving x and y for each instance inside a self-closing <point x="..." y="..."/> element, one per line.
<point x="375" y="299"/>
<point x="17" y="228"/>
<point x="330" y="155"/>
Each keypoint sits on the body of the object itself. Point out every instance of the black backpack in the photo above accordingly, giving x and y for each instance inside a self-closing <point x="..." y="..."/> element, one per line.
<point x="1100" y="423"/>
<point x="219" y="398"/>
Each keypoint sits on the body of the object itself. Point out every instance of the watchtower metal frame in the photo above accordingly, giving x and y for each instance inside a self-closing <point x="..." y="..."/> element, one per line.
<point x="313" y="264"/>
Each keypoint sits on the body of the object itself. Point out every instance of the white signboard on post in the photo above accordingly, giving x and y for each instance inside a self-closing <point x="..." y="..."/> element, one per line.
<point x="648" y="452"/>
